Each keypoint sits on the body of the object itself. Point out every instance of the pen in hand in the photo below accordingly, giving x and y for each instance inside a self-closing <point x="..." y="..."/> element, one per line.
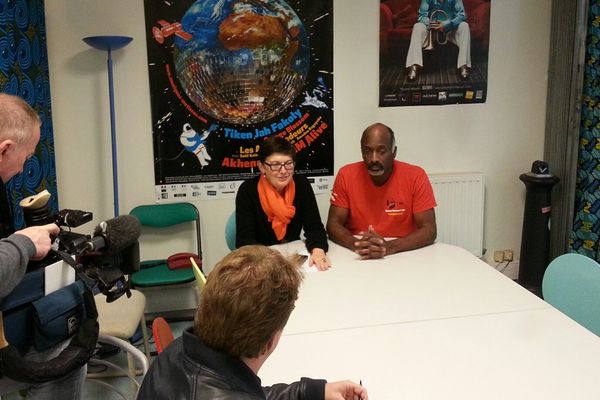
<point x="360" y="383"/>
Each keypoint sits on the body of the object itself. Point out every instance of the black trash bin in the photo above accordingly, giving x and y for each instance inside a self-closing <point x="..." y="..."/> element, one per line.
<point x="535" y="239"/>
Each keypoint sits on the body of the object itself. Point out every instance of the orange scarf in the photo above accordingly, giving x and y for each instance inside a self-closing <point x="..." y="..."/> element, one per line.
<point x="279" y="209"/>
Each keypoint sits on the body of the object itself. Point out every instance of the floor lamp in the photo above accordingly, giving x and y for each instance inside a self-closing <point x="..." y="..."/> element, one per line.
<point x="108" y="44"/>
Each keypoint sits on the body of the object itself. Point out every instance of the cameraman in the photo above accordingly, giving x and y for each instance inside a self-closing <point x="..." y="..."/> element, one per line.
<point x="19" y="135"/>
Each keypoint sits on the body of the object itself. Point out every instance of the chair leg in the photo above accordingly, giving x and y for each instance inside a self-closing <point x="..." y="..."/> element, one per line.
<point x="133" y="356"/>
<point x="145" y="336"/>
<point x="131" y="369"/>
<point x="131" y="373"/>
<point x="137" y="355"/>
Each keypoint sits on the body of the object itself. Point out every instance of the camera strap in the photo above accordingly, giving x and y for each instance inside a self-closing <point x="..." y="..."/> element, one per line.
<point x="89" y="282"/>
<point x="75" y="355"/>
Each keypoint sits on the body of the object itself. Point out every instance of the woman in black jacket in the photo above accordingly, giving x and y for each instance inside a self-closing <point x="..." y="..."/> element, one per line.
<point x="277" y="205"/>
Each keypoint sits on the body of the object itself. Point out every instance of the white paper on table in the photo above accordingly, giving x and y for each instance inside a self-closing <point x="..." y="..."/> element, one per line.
<point x="296" y="247"/>
<point x="305" y="267"/>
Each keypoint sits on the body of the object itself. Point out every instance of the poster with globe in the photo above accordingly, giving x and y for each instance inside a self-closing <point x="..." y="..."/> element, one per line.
<point x="225" y="75"/>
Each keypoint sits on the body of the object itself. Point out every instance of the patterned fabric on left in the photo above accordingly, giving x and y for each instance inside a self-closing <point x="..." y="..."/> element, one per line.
<point x="24" y="72"/>
<point x="586" y="224"/>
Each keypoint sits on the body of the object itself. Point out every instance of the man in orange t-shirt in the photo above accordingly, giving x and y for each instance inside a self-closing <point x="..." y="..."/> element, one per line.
<point x="381" y="197"/>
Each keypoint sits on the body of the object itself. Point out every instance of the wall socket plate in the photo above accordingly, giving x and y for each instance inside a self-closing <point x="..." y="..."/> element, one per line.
<point x="499" y="256"/>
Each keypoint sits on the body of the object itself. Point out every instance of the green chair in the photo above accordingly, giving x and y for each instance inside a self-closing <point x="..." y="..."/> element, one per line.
<point x="230" y="230"/>
<point x="157" y="217"/>
<point x="572" y="285"/>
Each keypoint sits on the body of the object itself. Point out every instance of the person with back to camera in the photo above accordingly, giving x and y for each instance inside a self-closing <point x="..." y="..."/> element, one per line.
<point x="275" y="206"/>
<point x="245" y="305"/>
<point x="381" y="197"/>
<point x="19" y="135"/>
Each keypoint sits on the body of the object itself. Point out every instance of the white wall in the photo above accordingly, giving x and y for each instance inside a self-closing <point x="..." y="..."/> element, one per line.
<point x="500" y="138"/>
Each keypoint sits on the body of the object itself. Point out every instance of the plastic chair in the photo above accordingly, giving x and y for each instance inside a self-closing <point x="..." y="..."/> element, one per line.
<point x="118" y="321"/>
<point x="230" y="232"/>
<point x="156" y="272"/>
<point x="163" y="335"/>
<point x="572" y="285"/>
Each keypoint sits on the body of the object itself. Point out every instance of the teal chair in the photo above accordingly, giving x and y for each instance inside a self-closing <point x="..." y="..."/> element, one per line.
<point x="230" y="230"/>
<point x="159" y="216"/>
<point x="572" y="285"/>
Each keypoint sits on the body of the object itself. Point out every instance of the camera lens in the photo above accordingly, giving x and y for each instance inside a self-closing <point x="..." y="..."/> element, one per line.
<point x="38" y="216"/>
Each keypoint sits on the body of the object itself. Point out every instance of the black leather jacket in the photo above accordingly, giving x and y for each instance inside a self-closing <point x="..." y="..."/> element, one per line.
<point x="189" y="369"/>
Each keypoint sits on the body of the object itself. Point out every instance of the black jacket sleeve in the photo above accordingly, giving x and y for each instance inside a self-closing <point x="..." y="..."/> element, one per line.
<point x="305" y="389"/>
<point x="306" y="203"/>
<point x="245" y="215"/>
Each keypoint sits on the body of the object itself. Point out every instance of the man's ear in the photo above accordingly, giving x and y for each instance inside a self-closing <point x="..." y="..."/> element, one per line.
<point x="395" y="148"/>
<point x="273" y="342"/>
<point x="5" y="146"/>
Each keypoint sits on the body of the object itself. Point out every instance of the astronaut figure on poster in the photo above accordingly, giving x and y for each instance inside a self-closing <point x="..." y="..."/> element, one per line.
<point x="319" y="93"/>
<point x="194" y="143"/>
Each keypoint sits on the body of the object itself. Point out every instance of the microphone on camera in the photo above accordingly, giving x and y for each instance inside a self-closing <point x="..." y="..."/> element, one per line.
<point x="115" y="235"/>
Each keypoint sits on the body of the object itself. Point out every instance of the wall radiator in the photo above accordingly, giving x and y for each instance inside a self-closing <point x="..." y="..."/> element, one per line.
<point x="459" y="211"/>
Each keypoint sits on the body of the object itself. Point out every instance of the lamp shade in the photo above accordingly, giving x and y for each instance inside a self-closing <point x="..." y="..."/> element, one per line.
<point x="107" y="42"/>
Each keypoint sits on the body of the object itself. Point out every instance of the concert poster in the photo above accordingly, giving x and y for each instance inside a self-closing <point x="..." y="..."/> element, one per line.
<point x="450" y="65"/>
<point x="226" y="74"/>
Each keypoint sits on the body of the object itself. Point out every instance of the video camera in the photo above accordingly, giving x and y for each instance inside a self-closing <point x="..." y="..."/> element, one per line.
<point x="31" y="317"/>
<point x="101" y="260"/>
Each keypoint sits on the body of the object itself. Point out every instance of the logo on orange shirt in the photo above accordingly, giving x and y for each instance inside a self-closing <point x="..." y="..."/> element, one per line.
<point x="394" y="208"/>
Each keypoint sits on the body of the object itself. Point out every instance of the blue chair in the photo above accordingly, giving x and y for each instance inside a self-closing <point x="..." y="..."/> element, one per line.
<point x="572" y="285"/>
<point x="230" y="230"/>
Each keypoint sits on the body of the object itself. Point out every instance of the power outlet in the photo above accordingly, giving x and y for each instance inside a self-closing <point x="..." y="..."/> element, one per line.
<point x="508" y="255"/>
<point x="498" y="256"/>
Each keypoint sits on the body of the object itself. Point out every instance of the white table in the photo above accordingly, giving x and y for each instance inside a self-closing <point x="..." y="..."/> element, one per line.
<point x="434" y="282"/>
<point x="434" y="323"/>
<point x="538" y="354"/>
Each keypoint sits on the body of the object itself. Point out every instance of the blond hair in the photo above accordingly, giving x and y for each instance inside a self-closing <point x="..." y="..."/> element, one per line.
<point x="17" y="119"/>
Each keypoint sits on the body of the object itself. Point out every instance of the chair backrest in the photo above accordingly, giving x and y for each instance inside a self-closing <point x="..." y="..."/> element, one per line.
<point x="572" y="284"/>
<point x="163" y="335"/>
<point x="230" y="231"/>
<point x="166" y="215"/>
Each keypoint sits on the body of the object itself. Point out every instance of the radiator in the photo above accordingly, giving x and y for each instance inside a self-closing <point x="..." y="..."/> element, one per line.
<point x="459" y="211"/>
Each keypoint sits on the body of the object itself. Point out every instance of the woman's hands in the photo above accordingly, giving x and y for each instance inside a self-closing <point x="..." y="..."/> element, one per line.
<point x="319" y="259"/>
